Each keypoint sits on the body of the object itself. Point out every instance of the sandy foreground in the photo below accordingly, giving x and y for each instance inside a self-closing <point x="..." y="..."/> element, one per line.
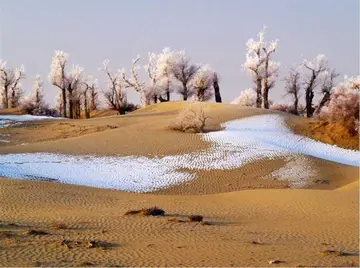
<point x="252" y="220"/>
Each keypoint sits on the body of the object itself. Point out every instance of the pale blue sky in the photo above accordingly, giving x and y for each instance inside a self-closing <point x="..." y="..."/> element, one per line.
<point x="213" y="32"/>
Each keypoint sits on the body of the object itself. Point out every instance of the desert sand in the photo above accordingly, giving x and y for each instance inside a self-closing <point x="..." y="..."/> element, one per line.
<point x="252" y="220"/>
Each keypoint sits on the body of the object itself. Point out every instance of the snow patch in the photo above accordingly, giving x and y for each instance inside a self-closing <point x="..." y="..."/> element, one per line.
<point x="9" y="120"/>
<point x="298" y="171"/>
<point x="242" y="141"/>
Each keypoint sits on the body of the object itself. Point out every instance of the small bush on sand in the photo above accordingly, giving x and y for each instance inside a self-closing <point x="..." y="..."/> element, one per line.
<point x="197" y="218"/>
<point x="343" y="105"/>
<point x="191" y="119"/>
<point x="58" y="226"/>
<point x="35" y="232"/>
<point x="153" y="211"/>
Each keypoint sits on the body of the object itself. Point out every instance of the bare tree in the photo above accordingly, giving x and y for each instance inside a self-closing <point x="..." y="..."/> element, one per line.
<point x="116" y="93"/>
<point x="326" y="87"/>
<point x="293" y="87"/>
<point x="183" y="70"/>
<point x="316" y="67"/>
<point x="216" y="87"/>
<point x="10" y="84"/>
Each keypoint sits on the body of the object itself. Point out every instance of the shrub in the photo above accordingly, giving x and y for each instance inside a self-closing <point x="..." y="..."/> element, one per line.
<point x="153" y="211"/>
<point x="343" y="106"/>
<point x="247" y="97"/>
<point x="190" y="119"/>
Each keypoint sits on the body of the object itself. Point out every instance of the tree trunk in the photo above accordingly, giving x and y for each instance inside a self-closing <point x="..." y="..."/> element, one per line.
<point x="309" y="98"/>
<point x="185" y="92"/>
<point x="86" y="108"/>
<point x="5" y="100"/>
<point x="12" y="100"/>
<point x="64" y="102"/>
<point x="71" y="105"/>
<point x="266" y="94"/>
<point x="324" y="100"/>
<point x="121" y="110"/>
<point x="168" y="94"/>
<point x="258" y="93"/>
<point x="296" y="105"/>
<point x="217" y="92"/>
<point x="92" y="101"/>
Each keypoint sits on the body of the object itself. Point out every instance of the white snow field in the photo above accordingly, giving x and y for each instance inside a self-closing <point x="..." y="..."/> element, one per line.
<point x="242" y="141"/>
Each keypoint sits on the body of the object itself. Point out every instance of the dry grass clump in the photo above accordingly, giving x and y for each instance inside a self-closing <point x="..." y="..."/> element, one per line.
<point x="58" y="226"/>
<point x="191" y="119"/>
<point x="153" y="211"/>
<point x="191" y="218"/>
<point x="6" y="234"/>
<point x="196" y="218"/>
<point x="332" y="252"/>
<point x="175" y="220"/>
<point x="35" y="232"/>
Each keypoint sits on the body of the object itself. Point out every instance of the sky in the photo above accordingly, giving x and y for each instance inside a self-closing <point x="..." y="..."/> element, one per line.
<point x="212" y="32"/>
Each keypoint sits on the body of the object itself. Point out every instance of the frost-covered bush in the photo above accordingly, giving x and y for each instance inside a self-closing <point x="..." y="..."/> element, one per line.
<point x="191" y="119"/>
<point x="280" y="107"/>
<point x="343" y="106"/>
<point x="35" y="104"/>
<point x="247" y="97"/>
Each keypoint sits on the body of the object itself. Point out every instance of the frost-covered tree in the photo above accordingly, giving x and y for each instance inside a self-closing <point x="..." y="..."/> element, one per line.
<point x="315" y="69"/>
<point x="159" y="70"/>
<point x="202" y="83"/>
<point x="184" y="71"/>
<point x="263" y="70"/>
<point x="115" y="95"/>
<point x="247" y="97"/>
<point x="89" y="95"/>
<point x="35" y="103"/>
<point x="10" y="85"/>
<point x="74" y="80"/>
<point x="326" y="87"/>
<point x="38" y="90"/>
<point x="57" y="76"/>
<point x="68" y="82"/>
<point x="343" y="106"/>
<point x="293" y="87"/>
<point x="58" y="103"/>
<point x="134" y="82"/>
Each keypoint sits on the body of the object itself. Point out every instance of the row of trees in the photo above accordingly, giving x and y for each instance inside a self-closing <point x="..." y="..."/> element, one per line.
<point x="309" y="77"/>
<point x="168" y="72"/>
